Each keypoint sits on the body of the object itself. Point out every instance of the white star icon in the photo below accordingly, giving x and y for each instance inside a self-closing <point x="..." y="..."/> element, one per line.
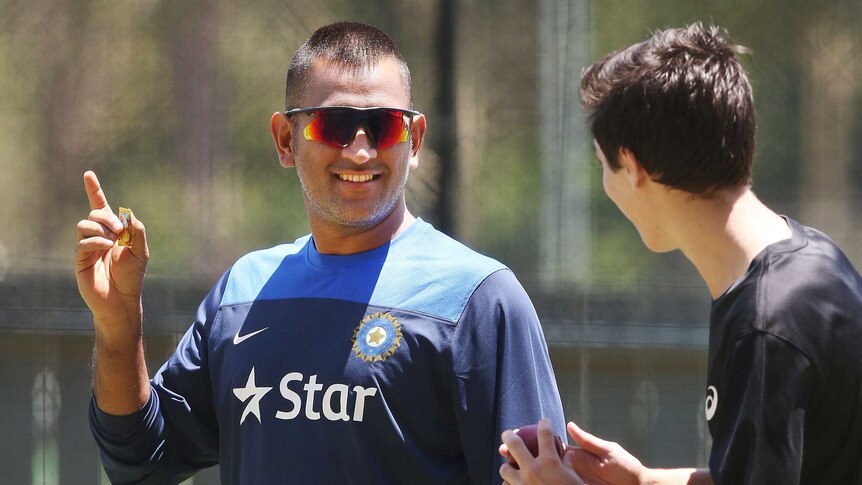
<point x="255" y="393"/>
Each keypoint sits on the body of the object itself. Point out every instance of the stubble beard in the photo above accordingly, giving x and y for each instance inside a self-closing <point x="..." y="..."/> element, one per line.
<point x="335" y="212"/>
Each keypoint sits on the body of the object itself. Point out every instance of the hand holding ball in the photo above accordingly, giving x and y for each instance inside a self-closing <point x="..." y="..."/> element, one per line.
<point x="531" y="440"/>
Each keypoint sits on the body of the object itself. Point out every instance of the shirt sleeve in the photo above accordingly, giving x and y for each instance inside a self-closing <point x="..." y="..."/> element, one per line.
<point x="760" y="417"/>
<point x="175" y="434"/>
<point x="503" y="375"/>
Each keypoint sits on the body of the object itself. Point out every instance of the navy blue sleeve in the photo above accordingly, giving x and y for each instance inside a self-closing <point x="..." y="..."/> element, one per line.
<point x="503" y="375"/>
<point x="176" y="433"/>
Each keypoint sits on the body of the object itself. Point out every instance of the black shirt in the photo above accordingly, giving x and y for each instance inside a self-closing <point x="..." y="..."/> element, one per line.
<point x="784" y="383"/>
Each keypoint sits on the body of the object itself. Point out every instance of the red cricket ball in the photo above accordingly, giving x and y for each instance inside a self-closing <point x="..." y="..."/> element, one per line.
<point x="528" y="436"/>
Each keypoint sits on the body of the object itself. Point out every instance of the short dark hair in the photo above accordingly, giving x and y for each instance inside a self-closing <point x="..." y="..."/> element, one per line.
<point x="351" y="45"/>
<point x="681" y="103"/>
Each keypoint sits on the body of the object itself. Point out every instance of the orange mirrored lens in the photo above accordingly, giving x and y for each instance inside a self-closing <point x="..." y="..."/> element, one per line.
<point x="384" y="127"/>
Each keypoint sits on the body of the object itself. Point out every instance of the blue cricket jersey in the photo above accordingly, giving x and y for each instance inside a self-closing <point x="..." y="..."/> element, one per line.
<point x="402" y="364"/>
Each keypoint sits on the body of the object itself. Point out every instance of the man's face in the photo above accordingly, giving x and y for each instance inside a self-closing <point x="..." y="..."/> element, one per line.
<point x="356" y="187"/>
<point x="612" y="181"/>
<point x="634" y="202"/>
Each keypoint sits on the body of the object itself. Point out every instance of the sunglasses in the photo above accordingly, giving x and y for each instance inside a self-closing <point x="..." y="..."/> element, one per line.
<point x="337" y="125"/>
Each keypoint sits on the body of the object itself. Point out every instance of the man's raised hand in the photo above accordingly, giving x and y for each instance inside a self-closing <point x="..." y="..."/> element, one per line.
<point x="110" y="277"/>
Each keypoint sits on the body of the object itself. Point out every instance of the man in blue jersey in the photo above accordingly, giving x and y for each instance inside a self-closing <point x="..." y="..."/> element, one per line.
<point x="673" y="122"/>
<point x="374" y="350"/>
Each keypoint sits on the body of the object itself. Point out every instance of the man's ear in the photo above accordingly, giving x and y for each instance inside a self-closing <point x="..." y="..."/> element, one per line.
<point x="635" y="171"/>
<point x="417" y="135"/>
<point x="282" y="134"/>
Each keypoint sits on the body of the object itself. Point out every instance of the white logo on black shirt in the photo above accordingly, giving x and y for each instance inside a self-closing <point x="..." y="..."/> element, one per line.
<point x="711" y="403"/>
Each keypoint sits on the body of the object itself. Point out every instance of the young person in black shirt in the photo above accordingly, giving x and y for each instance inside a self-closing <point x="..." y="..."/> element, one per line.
<point x="673" y="122"/>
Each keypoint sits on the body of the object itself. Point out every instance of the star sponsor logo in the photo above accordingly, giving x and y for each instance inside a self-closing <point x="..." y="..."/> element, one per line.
<point x="711" y="402"/>
<point x="253" y="394"/>
<point x="305" y="397"/>
<point x="237" y="339"/>
<point x="377" y="337"/>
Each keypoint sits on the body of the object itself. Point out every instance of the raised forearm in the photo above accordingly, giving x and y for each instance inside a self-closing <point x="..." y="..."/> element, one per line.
<point x="120" y="380"/>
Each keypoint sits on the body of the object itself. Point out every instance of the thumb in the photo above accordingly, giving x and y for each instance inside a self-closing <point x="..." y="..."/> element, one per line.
<point x="138" y="242"/>
<point x="588" y="442"/>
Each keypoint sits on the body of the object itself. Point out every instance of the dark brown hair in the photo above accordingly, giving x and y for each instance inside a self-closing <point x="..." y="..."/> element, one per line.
<point x="351" y="45"/>
<point x="681" y="103"/>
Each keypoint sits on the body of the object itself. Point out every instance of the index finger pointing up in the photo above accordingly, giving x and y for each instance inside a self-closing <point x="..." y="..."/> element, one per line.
<point x="94" y="191"/>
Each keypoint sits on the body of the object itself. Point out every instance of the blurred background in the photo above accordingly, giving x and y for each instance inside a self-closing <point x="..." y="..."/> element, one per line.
<point x="169" y="102"/>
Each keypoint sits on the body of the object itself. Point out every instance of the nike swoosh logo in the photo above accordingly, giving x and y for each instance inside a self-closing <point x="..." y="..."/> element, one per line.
<point x="238" y="340"/>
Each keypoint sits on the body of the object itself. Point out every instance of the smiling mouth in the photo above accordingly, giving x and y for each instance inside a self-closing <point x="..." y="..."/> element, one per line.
<point x="356" y="178"/>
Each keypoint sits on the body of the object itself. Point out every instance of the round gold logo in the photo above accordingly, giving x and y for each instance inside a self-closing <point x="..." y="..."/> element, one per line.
<point x="376" y="337"/>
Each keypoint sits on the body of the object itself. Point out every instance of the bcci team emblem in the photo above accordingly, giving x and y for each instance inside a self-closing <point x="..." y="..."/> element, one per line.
<point x="376" y="337"/>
